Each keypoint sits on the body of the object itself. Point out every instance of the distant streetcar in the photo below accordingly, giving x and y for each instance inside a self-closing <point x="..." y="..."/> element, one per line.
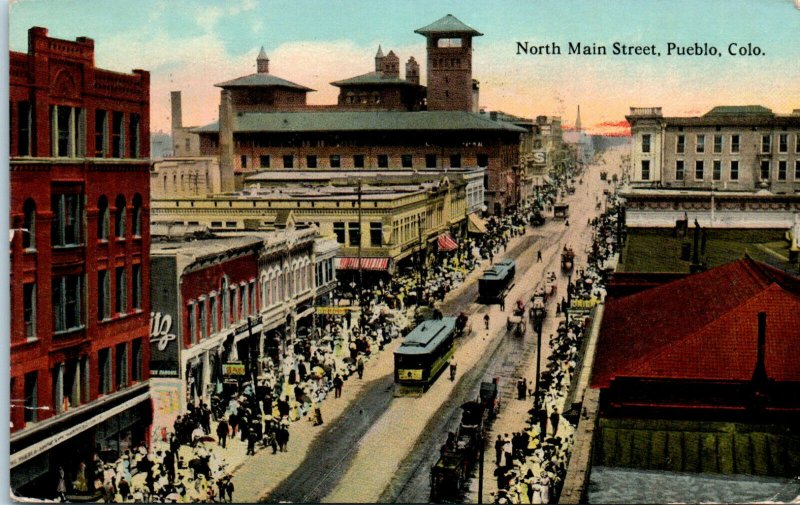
<point x="496" y="280"/>
<point x="424" y="354"/>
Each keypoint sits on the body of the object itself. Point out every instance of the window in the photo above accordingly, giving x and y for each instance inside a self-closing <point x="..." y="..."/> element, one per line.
<point x="797" y="143"/>
<point x="734" y="170"/>
<point x="679" y="169"/>
<point x="483" y="160"/>
<point x="223" y="294"/>
<point x="717" y="144"/>
<point x="430" y="161"/>
<point x="383" y="161"/>
<point x="104" y="370"/>
<point x="214" y="315"/>
<point x="202" y="320"/>
<point x="192" y="323"/>
<point x="243" y="160"/>
<point x="680" y="144"/>
<point x="57" y="387"/>
<point x="485" y="181"/>
<point x="764" y="170"/>
<point x="24" y="121"/>
<point x="336" y="161"/>
<point x="716" y="173"/>
<point x="234" y="303"/>
<point x="121" y="300"/>
<point x="31" y="404"/>
<point x="85" y="377"/>
<point x="646" y="143"/>
<point x="119" y="217"/>
<point x="358" y="160"/>
<point x="121" y="365"/>
<point x="797" y="170"/>
<point x="137" y="287"/>
<point x="645" y="170"/>
<point x="734" y="143"/>
<point x="766" y="143"/>
<point x="354" y="234"/>
<point x="133" y="122"/>
<point x="103" y="218"/>
<point x="67" y="308"/>
<point x="136" y="360"/>
<point x="253" y="306"/>
<point x="311" y="161"/>
<point x="100" y="133"/>
<point x="117" y="135"/>
<point x="29" y="310"/>
<point x="406" y="160"/>
<point x="64" y="125"/>
<point x="782" y="170"/>
<point x="68" y="215"/>
<point x="783" y="143"/>
<point x="103" y="295"/>
<point x="698" y="170"/>
<point x="376" y="234"/>
<point x="701" y="143"/>
<point x="338" y="230"/>
<point x="29" y="224"/>
<point x="288" y="161"/>
<point x="455" y="161"/>
<point x="263" y="161"/>
<point x="137" y="215"/>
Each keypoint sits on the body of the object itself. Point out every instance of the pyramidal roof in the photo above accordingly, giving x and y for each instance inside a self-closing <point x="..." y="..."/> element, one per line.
<point x="445" y="25"/>
<point x="262" y="55"/>
<point x="379" y="54"/>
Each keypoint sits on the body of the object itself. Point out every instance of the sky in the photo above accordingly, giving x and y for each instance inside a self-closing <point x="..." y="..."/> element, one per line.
<point x="191" y="45"/>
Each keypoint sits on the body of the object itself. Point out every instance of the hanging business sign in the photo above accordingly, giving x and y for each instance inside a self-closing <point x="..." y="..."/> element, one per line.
<point x="164" y="324"/>
<point x="233" y="369"/>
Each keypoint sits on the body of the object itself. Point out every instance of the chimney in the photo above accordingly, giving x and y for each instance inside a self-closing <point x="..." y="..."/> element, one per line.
<point x="476" y="87"/>
<point x="175" y="101"/>
<point x="760" y="373"/>
<point x="226" y="143"/>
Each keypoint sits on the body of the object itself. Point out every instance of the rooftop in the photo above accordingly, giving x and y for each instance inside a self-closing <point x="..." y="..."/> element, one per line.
<point x="261" y="80"/>
<point x="375" y="78"/>
<point x="703" y="327"/>
<point x="288" y="122"/>
<point x="449" y="24"/>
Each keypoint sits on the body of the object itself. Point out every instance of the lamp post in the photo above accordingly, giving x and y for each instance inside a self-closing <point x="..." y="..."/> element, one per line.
<point x="360" y="266"/>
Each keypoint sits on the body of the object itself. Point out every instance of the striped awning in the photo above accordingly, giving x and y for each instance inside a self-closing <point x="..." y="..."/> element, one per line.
<point x="366" y="263"/>
<point x="446" y="242"/>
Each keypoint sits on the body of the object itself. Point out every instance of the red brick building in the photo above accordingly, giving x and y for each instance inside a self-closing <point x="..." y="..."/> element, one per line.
<point x="80" y="269"/>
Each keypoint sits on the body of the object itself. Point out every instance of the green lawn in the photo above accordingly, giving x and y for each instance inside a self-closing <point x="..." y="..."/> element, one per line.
<point x="657" y="250"/>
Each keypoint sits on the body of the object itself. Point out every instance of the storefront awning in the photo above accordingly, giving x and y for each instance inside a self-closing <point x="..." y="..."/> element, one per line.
<point x="475" y="225"/>
<point x="446" y="242"/>
<point x="366" y="263"/>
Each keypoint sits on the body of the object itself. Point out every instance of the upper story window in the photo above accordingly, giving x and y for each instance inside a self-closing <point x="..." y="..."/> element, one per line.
<point x="455" y="160"/>
<point x="383" y="161"/>
<point x="338" y="230"/>
<point x="100" y="133"/>
<point x="133" y="122"/>
<point x="376" y="234"/>
<point x="336" y="161"/>
<point x="103" y="218"/>
<point x="67" y="219"/>
<point x="766" y="143"/>
<point x="430" y="161"/>
<point x="288" y="161"/>
<point x="29" y="224"/>
<point x="701" y="143"/>
<point x="67" y="307"/>
<point x="117" y="134"/>
<point x="119" y="217"/>
<point x="680" y="144"/>
<point x="67" y="131"/>
<point x="646" y="143"/>
<point x="679" y="170"/>
<point x="24" y="121"/>
<point x="783" y="143"/>
<point x="137" y="215"/>
<point x="311" y="161"/>
<point x="645" y="170"/>
<point x="717" y="144"/>
<point x="406" y="160"/>
<point x="483" y="160"/>
<point x="734" y="143"/>
<point x="358" y="160"/>
<point x="354" y="234"/>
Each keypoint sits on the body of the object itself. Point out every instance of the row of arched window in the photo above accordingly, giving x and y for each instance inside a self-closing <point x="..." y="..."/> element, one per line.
<point x="68" y="218"/>
<point x="279" y="284"/>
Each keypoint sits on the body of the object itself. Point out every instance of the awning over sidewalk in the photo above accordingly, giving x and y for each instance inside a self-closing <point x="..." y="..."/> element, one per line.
<point x="366" y="263"/>
<point x="475" y="225"/>
<point x="446" y="242"/>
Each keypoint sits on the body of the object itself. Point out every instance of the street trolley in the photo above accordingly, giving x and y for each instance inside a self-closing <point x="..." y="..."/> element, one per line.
<point x="561" y="211"/>
<point x="567" y="260"/>
<point x="496" y="281"/>
<point x="423" y="355"/>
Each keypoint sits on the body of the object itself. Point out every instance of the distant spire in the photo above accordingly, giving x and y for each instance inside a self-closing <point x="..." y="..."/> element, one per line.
<point x="578" y="120"/>
<point x="379" y="60"/>
<point x="262" y="62"/>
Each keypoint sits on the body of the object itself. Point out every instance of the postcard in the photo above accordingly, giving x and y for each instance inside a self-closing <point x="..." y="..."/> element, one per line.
<point x="413" y="252"/>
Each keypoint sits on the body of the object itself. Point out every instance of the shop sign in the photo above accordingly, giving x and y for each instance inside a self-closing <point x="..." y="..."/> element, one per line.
<point x="163" y="346"/>
<point x="233" y="369"/>
<point x="333" y="311"/>
<point x="539" y="157"/>
<point x="165" y="331"/>
<point x="405" y="373"/>
<point x="581" y="303"/>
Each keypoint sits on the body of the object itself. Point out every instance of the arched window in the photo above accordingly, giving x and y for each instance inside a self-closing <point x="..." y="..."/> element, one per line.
<point x="29" y="224"/>
<point x="137" y="215"/>
<point x="119" y="217"/>
<point x="103" y="218"/>
<point x="165" y="184"/>
<point x="225" y="303"/>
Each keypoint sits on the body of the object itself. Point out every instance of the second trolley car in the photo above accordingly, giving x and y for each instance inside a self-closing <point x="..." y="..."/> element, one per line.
<point x="496" y="280"/>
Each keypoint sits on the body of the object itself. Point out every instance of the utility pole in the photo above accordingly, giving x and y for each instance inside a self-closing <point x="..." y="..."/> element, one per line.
<point x="360" y="266"/>
<point x="419" y="259"/>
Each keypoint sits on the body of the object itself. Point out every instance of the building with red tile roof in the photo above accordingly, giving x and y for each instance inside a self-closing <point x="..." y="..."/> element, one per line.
<point x="691" y="346"/>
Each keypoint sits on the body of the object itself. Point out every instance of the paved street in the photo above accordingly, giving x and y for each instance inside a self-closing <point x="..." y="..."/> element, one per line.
<point x="374" y="447"/>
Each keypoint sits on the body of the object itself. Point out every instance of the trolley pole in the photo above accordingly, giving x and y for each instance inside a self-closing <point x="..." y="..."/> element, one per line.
<point x="536" y="403"/>
<point x="480" y="471"/>
<point x="360" y="266"/>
